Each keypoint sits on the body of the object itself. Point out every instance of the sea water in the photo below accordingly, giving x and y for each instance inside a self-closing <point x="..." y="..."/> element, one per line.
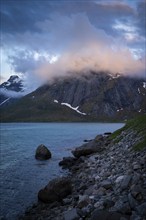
<point x="22" y="176"/>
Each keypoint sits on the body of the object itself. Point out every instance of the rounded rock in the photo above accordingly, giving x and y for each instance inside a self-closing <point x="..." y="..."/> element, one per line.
<point x="56" y="190"/>
<point x="42" y="153"/>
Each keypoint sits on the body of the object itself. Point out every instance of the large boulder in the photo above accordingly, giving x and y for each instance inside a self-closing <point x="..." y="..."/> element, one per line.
<point x="67" y="162"/>
<point x="56" y="190"/>
<point x="89" y="148"/>
<point x="42" y="153"/>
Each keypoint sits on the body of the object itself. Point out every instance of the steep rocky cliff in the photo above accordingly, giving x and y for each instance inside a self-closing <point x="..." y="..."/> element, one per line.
<point x="98" y="95"/>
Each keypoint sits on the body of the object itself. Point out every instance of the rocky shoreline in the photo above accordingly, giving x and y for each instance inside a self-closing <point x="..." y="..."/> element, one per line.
<point x="106" y="181"/>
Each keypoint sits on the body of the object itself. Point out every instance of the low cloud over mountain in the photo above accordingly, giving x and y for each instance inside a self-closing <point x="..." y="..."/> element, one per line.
<point x="60" y="38"/>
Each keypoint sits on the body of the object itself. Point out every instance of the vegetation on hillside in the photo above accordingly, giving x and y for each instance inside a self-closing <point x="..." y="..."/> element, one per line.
<point x="138" y="125"/>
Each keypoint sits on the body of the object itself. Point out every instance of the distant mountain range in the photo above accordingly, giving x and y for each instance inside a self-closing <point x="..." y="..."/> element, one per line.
<point x="90" y="97"/>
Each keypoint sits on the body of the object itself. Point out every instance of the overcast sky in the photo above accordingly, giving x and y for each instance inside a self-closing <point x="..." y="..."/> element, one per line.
<point x="42" y="38"/>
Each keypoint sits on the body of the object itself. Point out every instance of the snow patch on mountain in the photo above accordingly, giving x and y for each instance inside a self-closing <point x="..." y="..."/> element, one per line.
<point x="121" y="109"/>
<point x="114" y="76"/>
<point x="144" y="85"/>
<point x="4" y="101"/>
<point x="74" y="108"/>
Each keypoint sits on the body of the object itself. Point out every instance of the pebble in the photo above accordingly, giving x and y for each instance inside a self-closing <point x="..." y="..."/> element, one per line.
<point x="119" y="179"/>
<point x="106" y="184"/>
<point x="125" y="181"/>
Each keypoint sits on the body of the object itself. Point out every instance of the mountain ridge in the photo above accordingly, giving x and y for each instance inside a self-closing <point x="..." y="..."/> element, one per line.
<point x="11" y="90"/>
<point x="100" y="96"/>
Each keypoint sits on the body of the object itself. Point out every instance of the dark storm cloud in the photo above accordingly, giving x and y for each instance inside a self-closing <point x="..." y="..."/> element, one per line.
<point x="20" y="16"/>
<point x="96" y="34"/>
<point x="141" y="17"/>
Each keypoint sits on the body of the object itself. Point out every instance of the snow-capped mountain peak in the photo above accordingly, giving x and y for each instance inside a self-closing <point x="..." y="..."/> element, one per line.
<point x="14" y="83"/>
<point x="11" y="89"/>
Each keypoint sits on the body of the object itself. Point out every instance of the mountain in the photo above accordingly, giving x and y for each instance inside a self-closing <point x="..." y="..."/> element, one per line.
<point x="94" y="96"/>
<point x="10" y="90"/>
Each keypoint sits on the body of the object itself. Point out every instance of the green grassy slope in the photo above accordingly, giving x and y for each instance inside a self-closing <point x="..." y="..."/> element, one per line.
<point x="29" y="109"/>
<point x="138" y="125"/>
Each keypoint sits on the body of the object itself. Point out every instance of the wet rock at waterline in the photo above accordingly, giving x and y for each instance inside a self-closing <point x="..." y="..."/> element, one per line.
<point x="56" y="190"/>
<point x="67" y="162"/>
<point x="42" y="153"/>
<point x="87" y="149"/>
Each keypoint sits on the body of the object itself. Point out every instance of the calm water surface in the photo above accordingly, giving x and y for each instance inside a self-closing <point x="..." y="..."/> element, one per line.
<point x="21" y="175"/>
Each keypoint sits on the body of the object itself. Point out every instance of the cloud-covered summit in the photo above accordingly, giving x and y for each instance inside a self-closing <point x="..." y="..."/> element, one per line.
<point x="52" y="38"/>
